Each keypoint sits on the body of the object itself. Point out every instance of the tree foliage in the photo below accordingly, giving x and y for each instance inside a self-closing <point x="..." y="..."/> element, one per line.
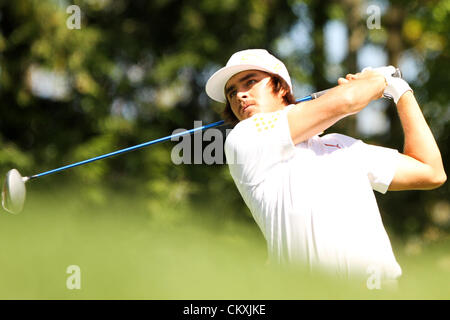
<point x="136" y="71"/>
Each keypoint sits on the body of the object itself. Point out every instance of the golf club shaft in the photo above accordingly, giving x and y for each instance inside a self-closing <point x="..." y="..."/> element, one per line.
<point x="146" y="144"/>
<point x="139" y="146"/>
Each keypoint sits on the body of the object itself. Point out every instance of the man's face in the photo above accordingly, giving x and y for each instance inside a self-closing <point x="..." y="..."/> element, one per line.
<point x="249" y="92"/>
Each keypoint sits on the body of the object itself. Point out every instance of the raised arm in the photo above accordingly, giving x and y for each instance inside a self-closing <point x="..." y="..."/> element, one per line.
<point x="420" y="166"/>
<point x="309" y="118"/>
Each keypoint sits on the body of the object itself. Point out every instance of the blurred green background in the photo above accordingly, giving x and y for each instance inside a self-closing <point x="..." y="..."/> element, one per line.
<point x="140" y="226"/>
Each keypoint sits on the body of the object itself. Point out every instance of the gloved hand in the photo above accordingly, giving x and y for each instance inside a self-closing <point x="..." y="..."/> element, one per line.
<point x="396" y="87"/>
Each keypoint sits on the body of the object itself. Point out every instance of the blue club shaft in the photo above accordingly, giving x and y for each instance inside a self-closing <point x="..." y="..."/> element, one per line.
<point x="142" y="145"/>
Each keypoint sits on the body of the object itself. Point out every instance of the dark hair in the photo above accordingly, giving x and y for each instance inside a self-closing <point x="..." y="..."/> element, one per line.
<point x="277" y="83"/>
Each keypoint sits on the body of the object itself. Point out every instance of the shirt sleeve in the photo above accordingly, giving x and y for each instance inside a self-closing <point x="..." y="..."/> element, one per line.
<point x="379" y="163"/>
<point x="257" y="145"/>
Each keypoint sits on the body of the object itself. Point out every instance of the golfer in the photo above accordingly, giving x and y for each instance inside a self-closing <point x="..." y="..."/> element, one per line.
<point x="312" y="194"/>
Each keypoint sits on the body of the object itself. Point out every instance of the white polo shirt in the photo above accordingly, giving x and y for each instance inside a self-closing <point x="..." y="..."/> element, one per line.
<point x="314" y="201"/>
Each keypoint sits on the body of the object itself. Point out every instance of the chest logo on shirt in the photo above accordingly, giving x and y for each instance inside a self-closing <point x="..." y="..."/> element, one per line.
<point x="333" y="145"/>
<point x="266" y="121"/>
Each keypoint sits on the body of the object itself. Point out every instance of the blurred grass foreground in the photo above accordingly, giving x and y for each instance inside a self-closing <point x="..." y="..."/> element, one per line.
<point x="126" y="249"/>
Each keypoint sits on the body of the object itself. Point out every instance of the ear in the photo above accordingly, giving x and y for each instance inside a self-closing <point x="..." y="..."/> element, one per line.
<point x="282" y="93"/>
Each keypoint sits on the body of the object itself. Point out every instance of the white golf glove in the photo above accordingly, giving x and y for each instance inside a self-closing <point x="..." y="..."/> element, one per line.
<point x="396" y="87"/>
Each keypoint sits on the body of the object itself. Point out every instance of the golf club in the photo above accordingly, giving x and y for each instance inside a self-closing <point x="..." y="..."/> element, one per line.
<point x="14" y="191"/>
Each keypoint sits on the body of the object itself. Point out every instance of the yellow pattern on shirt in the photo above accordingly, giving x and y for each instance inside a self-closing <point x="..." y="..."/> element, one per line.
<point x="266" y="121"/>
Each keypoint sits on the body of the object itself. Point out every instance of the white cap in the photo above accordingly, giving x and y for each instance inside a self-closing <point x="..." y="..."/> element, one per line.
<point x="252" y="59"/>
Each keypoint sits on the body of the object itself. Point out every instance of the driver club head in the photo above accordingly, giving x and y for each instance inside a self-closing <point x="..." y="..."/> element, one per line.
<point x="14" y="191"/>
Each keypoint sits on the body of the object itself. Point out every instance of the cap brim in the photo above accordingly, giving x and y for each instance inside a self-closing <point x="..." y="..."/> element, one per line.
<point x="215" y="87"/>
